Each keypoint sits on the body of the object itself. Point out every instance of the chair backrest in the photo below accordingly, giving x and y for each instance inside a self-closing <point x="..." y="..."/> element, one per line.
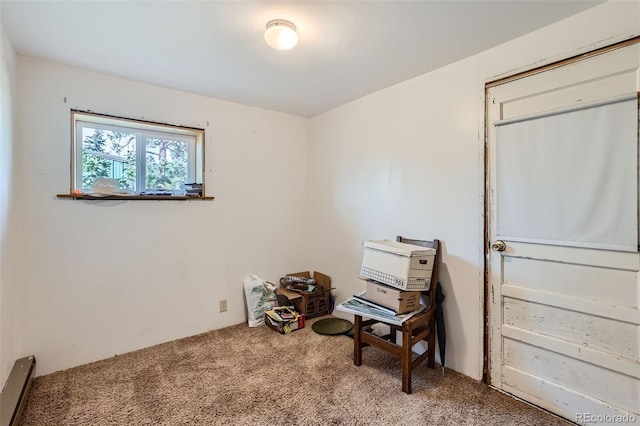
<point x="435" y="244"/>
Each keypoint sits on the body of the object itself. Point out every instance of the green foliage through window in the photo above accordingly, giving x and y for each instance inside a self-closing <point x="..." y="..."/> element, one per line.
<point x="109" y="154"/>
<point x="166" y="163"/>
<point x="140" y="156"/>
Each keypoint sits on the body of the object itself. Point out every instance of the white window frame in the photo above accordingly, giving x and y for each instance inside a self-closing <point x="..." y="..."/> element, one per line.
<point x="143" y="130"/>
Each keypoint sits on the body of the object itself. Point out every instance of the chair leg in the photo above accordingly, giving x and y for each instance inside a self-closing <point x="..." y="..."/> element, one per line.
<point x="406" y="360"/>
<point x="357" y="340"/>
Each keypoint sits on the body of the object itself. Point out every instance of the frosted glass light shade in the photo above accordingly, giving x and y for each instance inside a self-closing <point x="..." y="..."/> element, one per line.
<point x="281" y="34"/>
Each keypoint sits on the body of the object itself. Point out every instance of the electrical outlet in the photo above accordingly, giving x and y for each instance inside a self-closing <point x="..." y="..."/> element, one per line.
<point x="223" y="305"/>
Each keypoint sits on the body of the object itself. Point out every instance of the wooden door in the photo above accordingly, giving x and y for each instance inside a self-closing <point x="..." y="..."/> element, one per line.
<point x="564" y="318"/>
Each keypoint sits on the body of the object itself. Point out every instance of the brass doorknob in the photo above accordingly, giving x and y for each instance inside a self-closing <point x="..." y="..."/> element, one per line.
<point x="498" y="246"/>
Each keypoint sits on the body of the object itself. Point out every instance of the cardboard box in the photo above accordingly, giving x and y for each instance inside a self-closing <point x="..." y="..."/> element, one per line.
<point x="400" y="301"/>
<point x="400" y="265"/>
<point x="283" y="326"/>
<point x="309" y="304"/>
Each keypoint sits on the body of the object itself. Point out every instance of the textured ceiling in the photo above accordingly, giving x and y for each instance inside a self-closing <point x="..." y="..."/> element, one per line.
<point x="347" y="49"/>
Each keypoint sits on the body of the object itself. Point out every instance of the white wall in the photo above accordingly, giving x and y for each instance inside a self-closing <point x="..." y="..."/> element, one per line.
<point x="103" y="278"/>
<point x="10" y="289"/>
<point x="408" y="160"/>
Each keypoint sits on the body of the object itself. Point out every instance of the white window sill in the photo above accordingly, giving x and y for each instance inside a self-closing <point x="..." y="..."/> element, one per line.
<point x="132" y="197"/>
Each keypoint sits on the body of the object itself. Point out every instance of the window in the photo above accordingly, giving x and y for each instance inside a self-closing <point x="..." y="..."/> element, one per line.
<point x="144" y="158"/>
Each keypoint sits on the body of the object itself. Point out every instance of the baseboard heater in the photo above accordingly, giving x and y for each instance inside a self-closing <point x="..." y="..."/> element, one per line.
<point x="15" y="391"/>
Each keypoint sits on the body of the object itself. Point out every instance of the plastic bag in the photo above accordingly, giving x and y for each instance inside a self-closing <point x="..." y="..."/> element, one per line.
<point x="261" y="297"/>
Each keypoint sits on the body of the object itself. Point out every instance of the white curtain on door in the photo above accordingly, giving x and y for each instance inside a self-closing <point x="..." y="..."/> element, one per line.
<point x="570" y="177"/>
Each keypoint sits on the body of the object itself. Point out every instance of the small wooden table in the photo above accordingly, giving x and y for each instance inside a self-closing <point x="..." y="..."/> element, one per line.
<point x="417" y="328"/>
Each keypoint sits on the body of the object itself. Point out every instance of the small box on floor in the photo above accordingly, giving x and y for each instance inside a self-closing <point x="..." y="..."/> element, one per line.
<point x="312" y="303"/>
<point x="284" y="319"/>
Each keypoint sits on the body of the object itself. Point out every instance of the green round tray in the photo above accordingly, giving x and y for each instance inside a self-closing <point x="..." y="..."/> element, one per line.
<point x="332" y="326"/>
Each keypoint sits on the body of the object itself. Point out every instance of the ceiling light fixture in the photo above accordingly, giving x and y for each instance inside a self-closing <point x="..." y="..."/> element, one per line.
<point x="281" y="34"/>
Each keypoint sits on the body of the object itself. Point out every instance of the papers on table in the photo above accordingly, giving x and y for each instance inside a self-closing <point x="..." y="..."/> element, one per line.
<point x="359" y="305"/>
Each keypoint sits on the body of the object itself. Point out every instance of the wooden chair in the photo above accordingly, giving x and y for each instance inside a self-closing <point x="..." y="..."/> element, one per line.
<point x="417" y="328"/>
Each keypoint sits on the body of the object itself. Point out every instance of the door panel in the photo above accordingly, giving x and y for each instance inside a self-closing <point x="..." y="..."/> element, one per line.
<point x="585" y="92"/>
<point x="559" y="399"/>
<point x="575" y="255"/>
<point x="546" y="91"/>
<point x="599" y="333"/>
<point x="620" y="364"/>
<point x="573" y="280"/>
<point x="592" y="379"/>
<point x="564" y="321"/>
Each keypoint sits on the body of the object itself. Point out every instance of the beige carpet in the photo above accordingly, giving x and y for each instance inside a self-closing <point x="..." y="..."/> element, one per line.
<point x="255" y="376"/>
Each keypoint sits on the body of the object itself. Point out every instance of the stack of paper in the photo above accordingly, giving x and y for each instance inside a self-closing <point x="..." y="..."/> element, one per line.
<point x="359" y="305"/>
